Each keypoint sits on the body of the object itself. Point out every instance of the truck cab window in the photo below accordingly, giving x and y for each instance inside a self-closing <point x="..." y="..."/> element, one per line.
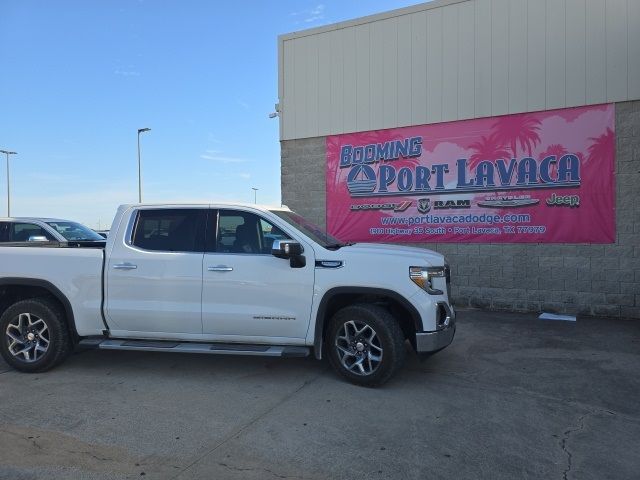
<point x="177" y="230"/>
<point x="244" y="232"/>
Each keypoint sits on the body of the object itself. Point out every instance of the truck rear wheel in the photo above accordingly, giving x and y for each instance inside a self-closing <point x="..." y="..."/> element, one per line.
<point x="365" y="344"/>
<point x="34" y="335"/>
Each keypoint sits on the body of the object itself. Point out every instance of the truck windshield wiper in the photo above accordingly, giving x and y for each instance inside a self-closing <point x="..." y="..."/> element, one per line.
<point x="336" y="246"/>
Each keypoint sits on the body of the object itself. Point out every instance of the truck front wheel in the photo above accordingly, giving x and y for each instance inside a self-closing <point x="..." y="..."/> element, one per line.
<point x="365" y="344"/>
<point x="34" y="335"/>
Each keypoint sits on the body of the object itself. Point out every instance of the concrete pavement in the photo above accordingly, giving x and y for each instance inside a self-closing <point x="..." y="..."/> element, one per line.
<point x="512" y="397"/>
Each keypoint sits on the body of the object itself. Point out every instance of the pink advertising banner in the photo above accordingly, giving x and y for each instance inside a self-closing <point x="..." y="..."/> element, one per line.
<point x="543" y="177"/>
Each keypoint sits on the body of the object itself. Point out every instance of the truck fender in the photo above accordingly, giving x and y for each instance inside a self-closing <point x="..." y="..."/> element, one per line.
<point x="331" y="294"/>
<point x="51" y="289"/>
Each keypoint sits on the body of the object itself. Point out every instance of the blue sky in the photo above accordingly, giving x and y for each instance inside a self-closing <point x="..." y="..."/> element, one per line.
<point x="78" y="78"/>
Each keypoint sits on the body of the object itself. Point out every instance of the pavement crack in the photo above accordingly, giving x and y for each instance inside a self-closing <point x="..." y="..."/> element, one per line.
<point x="240" y="469"/>
<point x="563" y="443"/>
<point x="237" y="432"/>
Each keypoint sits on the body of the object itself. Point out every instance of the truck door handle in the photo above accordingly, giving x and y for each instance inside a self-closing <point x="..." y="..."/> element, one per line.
<point x="220" y="268"/>
<point x="125" y="266"/>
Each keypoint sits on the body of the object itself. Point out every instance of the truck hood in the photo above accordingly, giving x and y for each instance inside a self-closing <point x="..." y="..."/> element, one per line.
<point x="412" y="254"/>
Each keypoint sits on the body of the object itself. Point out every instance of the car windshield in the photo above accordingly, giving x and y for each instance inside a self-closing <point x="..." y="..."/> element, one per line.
<point x="311" y="230"/>
<point x="75" y="232"/>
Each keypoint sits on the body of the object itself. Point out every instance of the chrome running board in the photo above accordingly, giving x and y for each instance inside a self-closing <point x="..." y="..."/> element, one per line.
<point x="192" y="347"/>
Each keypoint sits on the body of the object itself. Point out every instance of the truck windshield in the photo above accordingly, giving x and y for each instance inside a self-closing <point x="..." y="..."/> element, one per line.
<point x="311" y="230"/>
<point x="75" y="232"/>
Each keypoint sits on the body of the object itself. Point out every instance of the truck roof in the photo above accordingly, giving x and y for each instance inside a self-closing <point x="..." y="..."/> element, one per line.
<point x="212" y="205"/>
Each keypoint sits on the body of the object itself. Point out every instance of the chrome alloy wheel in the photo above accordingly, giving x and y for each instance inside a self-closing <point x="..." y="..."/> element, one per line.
<point x="27" y="337"/>
<point x="359" y="348"/>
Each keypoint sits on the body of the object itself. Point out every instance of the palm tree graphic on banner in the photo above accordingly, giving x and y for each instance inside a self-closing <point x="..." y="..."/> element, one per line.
<point x="518" y="129"/>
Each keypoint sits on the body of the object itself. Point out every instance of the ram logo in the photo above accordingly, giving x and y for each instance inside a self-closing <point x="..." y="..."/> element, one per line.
<point x="424" y="205"/>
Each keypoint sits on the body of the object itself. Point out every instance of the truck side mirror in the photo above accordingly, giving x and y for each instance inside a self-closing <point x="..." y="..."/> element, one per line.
<point x="38" y="238"/>
<point x="289" y="249"/>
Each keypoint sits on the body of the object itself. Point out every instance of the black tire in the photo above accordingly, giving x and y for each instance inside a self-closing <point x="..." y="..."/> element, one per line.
<point x="390" y="343"/>
<point x="47" y="312"/>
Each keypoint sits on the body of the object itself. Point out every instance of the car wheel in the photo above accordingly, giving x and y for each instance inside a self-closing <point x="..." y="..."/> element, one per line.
<point x="365" y="344"/>
<point x="34" y="335"/>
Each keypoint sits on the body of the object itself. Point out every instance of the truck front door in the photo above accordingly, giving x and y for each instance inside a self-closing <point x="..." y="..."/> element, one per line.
<point x="248" y="294"/>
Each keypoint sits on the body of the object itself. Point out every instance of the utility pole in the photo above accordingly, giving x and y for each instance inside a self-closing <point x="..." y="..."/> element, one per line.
<point x="255" y="194"/>
<point x="140" y="130"/>
<point x="7" y="153"/>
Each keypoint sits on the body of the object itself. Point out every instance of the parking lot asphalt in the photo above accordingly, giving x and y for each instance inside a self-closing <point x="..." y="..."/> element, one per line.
<point x="512" y="397"/>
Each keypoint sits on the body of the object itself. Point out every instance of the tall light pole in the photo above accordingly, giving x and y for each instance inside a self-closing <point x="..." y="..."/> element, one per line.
<point x="255" y="194"/>
<point x="140" y="130"/>
<point x="7" y="153"/>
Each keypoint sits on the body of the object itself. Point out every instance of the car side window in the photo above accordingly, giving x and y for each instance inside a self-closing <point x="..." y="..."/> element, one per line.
<point x="4" y="232"/>
<point x="244" y="232"/>
<point x="21" y="232"/>
<point x="170" y="230"/>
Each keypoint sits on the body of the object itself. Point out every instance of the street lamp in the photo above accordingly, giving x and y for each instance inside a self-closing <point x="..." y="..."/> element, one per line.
<point x="140" y="130"/>
<point x="7" y="153"/>
<point x="255" y="194"/>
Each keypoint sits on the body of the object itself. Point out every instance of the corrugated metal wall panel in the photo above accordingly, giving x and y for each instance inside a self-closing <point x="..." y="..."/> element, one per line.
<point x="403" y="73"/>
<point x="336" y="67"/>
<point x="287" y="102"/>
<point x="576" y="53"/>
<point x="434" y="65"/>
<point x="633" y="55"/>
<point x="389" y="73"/>
<point x="483" y="58"/>
<point x="518" y="78"/>
<point x="324" y="82"/>
<point x="466" y="64"/>
<point x="456" y="59"/>
<point x="418" y="68"/>
<point x="616" y="45"/>
<point x="556" y="60"/>
<point x="350" y="79"/>
<point x="363" y="77"/>
<point x="450" y="36"/>
<point x="311" y="63"/>
<point x="596" y="74"/>
<point x="536" y="55"/>
<point x="376" y="67"/>
<point x="300" y="89"/>
<point x="499" y="57"/>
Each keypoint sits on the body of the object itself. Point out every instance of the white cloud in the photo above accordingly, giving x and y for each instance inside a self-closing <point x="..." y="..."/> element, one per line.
<point x="222" y="159"/>
<point x="246" y="176"/>
<point x="212" y="138"/>
<point x="126" y="73"/>
<point x="310" y="15"/>
<point x="244" y="105"/>
<point x="316" y="13"/>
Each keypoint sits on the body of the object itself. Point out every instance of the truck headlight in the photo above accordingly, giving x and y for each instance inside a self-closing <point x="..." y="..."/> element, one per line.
<point x="423" y="277"/>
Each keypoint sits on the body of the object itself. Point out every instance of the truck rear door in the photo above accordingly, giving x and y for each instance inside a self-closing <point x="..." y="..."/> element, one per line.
<point x="154" y="273"/>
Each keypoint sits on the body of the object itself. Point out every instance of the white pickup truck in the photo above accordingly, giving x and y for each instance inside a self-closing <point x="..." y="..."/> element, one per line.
<point x="224" y="279"/>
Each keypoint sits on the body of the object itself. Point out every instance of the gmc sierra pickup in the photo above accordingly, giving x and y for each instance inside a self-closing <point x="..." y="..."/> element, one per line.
<point x="224" y="279"/>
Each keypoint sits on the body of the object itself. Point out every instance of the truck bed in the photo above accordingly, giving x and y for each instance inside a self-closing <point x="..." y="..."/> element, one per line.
<point x="74" y="270"/>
